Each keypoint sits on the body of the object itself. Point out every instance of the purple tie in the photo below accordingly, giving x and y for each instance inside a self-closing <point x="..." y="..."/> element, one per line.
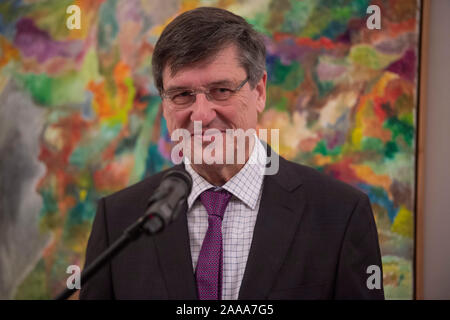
<point x="209" y="266"/>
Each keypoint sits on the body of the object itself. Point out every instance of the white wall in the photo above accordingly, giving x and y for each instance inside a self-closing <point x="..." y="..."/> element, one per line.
<point x="436" y="214"/>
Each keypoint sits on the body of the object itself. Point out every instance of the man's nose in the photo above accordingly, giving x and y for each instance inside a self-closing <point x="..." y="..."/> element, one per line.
<point x="202" y="110"/>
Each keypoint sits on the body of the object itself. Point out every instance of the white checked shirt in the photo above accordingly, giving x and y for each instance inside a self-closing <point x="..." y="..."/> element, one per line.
<point x="238" y="221"/>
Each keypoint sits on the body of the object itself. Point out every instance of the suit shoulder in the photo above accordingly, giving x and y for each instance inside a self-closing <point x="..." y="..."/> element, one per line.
<point x="330" y="201"/>
<point x="324" y="186"/>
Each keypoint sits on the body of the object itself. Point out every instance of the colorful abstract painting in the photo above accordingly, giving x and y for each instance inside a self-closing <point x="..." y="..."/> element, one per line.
<point x="80" y="117"/>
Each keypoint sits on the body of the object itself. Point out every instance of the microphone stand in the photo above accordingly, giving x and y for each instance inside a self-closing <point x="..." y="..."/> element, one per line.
<point x="149" y="224"/>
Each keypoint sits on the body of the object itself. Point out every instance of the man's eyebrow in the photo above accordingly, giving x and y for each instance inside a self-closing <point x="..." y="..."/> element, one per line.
<point x="177" y="88"/>
<point x="220" y="82"/>
<point x="210" y="84"/>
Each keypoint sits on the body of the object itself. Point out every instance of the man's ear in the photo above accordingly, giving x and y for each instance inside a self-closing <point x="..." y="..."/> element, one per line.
<point x="261" y="91"/>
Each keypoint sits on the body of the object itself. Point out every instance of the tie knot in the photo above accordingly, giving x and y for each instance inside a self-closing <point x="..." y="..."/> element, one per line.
<point x="215" y="202"/>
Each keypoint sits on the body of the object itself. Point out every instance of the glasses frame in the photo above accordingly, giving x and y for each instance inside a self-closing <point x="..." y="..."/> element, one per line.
<point x="193" y="93"/>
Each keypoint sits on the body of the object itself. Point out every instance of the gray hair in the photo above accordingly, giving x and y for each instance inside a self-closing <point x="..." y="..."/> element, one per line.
<point x="198" y="35"/>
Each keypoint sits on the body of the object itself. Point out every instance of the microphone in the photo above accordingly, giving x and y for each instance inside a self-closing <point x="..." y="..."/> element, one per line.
<point x="166" y="203"/>
<point x="163" y="207"/>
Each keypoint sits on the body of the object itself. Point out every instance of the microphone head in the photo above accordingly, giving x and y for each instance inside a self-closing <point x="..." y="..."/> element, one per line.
<point x="172" y="178"/>
<point x="179" y="175"/>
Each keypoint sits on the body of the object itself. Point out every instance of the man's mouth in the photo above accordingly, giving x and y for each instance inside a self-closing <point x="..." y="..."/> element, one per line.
<point x="207" y="135"/>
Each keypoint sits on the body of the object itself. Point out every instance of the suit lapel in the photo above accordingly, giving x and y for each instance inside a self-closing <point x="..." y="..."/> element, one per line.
<point x="278" y="217"/>
<point x="176" y="263"/>
<point x="174" y="253"/>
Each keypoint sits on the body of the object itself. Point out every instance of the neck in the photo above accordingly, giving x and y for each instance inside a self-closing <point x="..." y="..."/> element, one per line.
<point x="217" y="175"/>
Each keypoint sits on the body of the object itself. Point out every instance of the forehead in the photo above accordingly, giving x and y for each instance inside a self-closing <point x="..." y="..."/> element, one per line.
<point x="223" y="66"/>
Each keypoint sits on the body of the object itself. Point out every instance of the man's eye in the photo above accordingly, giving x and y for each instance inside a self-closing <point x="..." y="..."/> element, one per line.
<point x="220" y="91"/>
<point x="182" y="94"/>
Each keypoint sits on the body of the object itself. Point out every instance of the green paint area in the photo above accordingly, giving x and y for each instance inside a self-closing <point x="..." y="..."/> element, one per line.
<point x="359" y="7"/>
<point x="83" y="211"/>
<point x="321" y="148"/>
<point x="79" y="222"/>
<point x="388" y="150"/>
<point x="34" y="287"/>
<point x="330" y="19"/>
<point x="391" y="148"/>
<point x="372" y="144"/>
<point x="296" y="17"/>
<point x="43" y="284"/>
<point x="398" y="277"/>
<point x="401" y="128"/>
<point x="259" y="21"/>
<point x="108" y="26"/>
<point x="54" y="91"/>
<point x="282" y="104"/>
<point x="366" y="56"/>
<point x="155" y="162"/>
<point x="90" y="150"/>
<point x="337" y="22"/>
<point x="50" y="219"/>
<point x="407" y="119"/>
<point x="287" y="77"/>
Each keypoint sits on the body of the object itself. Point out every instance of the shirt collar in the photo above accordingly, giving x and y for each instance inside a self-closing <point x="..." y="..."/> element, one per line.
<point x="249" y="177"/>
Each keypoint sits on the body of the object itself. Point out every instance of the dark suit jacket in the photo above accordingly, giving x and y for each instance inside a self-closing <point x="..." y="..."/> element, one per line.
<point x="314" y="239"/>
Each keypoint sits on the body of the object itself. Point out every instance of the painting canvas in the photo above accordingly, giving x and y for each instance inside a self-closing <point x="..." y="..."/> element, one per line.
<point x="80" y="117"/>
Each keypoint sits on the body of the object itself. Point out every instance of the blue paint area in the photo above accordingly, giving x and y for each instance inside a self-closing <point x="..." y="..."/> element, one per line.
<point x="333" y="30"/>
<point x="49" y="204"/>
<point x="155" y="162"/>
<point x="164" y="131"/>
<point x="9" y="12"/>
<point x="83" y="211"/>
<point x="108" y="26"/>
<point x="2" y="24"/>
<point x="87" y="111"/>
<point x="359" y="7"/>
<point x="380" y="197"/>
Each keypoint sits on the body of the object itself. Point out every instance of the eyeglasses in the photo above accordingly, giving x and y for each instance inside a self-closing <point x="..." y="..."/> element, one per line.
<point x="185" y="97"/>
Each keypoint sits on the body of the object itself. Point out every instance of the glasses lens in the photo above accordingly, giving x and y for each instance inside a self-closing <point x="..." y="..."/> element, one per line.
<point x="220" y="94"/>
<point x="181" y="98"/>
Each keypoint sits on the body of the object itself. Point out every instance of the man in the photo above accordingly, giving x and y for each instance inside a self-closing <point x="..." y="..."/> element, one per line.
<point x="295" y="234"/>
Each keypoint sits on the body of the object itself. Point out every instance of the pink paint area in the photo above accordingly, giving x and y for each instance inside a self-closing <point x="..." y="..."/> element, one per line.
<point x="328" y="72"/>
<point x="406" y="66"/>
<point x="33" y="42"/>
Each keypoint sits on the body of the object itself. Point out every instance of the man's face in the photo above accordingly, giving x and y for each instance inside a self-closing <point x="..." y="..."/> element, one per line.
<point x="240" y="111"/>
